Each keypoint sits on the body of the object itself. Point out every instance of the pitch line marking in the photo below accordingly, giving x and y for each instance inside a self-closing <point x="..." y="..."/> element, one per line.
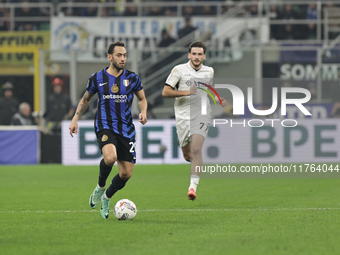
<point x="183" y="210"/>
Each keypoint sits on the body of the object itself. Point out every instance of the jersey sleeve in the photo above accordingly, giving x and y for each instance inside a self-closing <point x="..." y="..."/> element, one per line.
<point x="173" y="78"/>
<point x="212" y="77"/>
<point x="139" y="85"/>
<point x="91" y="85"/>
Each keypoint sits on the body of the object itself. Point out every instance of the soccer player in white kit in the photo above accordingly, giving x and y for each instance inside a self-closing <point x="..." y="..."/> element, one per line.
<point x="192" y="127"/>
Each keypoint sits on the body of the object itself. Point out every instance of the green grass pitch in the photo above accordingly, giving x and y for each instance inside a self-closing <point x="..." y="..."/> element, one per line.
<point x="44" y="210"/>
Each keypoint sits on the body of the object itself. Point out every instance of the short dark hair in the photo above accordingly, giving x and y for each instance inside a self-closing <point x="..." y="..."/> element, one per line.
<point x="164" y="32"/>
<point x="198" y="44"/>
<point x="113" y="45"/>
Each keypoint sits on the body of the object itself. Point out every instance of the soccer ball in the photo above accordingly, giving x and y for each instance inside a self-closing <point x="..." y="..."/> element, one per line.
<point x="125" y="209"/>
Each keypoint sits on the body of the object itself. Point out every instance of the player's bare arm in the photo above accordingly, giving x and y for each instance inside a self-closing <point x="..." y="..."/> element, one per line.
<point x="168" y="91"/>
<point x="143" y="106"/>
<point x="81" y="108"/>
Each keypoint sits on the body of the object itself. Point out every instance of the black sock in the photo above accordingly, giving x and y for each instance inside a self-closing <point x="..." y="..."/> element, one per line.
<point x="104" y="171"/>
<point x="117" y="184"/>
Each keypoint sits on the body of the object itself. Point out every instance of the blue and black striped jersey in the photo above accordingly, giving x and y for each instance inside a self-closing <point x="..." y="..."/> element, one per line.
<point x="115" y="96"/>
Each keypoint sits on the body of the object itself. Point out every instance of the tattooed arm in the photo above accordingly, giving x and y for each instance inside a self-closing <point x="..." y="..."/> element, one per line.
<point x="82" y="106"/>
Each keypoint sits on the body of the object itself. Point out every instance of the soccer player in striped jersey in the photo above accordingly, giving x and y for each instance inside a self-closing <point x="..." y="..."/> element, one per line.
<point x="113" y="124"/>
<point x="192" y="128"/>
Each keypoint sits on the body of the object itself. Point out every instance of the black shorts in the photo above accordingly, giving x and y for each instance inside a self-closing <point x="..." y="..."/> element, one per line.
<point x="125" y="147"/>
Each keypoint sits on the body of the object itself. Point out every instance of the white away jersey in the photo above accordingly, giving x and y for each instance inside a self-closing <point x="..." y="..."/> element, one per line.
<point x="182" y="78"/>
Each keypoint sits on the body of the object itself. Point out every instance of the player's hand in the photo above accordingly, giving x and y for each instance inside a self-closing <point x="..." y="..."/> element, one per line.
<point x="73" y="128"/>
<point x="193" y="90"/>
<point x="224" y="102"/>
<point x="142" y="118"/>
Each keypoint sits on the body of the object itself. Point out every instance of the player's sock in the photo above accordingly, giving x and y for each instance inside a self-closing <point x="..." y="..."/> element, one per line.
<point x="194" y="180"/>
<point x="105" y="196"/>
<point x="104" y="172"/>
<point x="117" y="184"/>
<point x="102" y="188"/>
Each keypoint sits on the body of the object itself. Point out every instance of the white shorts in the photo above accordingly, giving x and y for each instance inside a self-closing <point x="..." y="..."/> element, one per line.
<point x="187" y="128"/>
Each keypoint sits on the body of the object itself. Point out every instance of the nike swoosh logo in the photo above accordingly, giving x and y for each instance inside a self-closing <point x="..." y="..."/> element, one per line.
<point x="101" y="84"/>
<point x="92" y="204"/>
<point x="106" y="215"/>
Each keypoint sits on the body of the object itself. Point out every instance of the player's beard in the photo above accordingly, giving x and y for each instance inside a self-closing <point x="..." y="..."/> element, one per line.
<point x="196" y="65"/>
<point x="116" y="65"/>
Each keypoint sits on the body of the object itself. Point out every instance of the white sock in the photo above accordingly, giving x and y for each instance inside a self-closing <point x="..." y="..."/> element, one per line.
<point x="102" y="188"/>
<point x="194" y="180"/>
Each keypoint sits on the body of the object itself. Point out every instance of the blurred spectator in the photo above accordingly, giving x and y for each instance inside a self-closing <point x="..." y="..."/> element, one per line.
<point x="169" y="12"/>
<point x="156" y="11"/>
<point x="212" y="10"/>
<point x="253" y="10"/>
<point x="4" y="24"/>
<point x="290" y="31"/>
<point x="27" y="11"/>
<point x="275" y="30"/>
<point x="24" y="116"/>
<point x="111" y="11"/>
<point x="8" y="104"/>
<point x="188" y="11"/>
<point x="44" y="10"/>
<point x="130" y="11"/>
<point x="58" y="107"/>
<point x="274" y="12"/>
<point x="173" y="10"/>
<point x="67" y="11"/>
<point x="310" y="32"/>
<point x="187" y="29"/>
<point x="207" y="10"/>
<point x="146" y="53"/>
<point x="289" y="13"/>
<point x="167" y="40"/>
<point x="89" y="11"/>
<point x="229" y="6"/>
<point x="311" y="14"/>
<point x="165" y="57"/>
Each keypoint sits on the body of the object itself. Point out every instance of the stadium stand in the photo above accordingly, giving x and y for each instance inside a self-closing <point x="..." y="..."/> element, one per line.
<point x="311" y="23"/>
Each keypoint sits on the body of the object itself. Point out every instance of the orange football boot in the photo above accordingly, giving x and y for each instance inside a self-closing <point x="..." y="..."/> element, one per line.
<point x="191" y="194"/>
